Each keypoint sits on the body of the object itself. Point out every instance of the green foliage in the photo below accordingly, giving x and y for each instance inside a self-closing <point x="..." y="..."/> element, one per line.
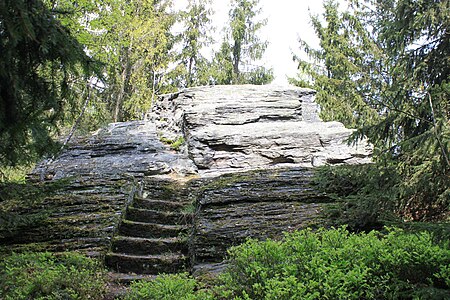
<point x="50" y="276"/>
<point x="365" y="195"/>
<point x="413" y="132"/>
<point x="335" y="70"/>
<point x="168" y="287"/>
<point x="14" y="174"/>
<point x="39" y="61"/>
<point x="174" y="144"/>
<point x="196" y="35"/>
<point x="383" y="68"/>
<point x="221" y="71"/>
<point x="241" y="48"/>
<point x="335" y="264"/>
<point x="138" y="34"/>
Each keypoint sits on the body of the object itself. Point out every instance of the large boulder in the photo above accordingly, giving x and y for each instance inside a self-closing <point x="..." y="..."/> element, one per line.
<point x="248" y="127"/>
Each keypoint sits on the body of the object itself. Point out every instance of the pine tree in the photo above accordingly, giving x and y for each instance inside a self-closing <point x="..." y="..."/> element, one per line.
<point x="133" y="40"/>
<point x="414" y="92"/>
<point x="192" y="68"/>
<point x="384" y="68"/>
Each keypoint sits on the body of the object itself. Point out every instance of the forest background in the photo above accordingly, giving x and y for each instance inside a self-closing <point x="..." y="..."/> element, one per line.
<point x="382" y="67"/>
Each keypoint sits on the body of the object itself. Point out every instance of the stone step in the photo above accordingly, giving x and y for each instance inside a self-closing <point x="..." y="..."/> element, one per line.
<point x="147" y="264"/>
<point x="158" y="217"/>
<point x="150" y="230"/>
<point x="127" y="278"/>
<point x="161" y="205"/>
<point x="210" y="269"/>
<point x="147" y="246"/>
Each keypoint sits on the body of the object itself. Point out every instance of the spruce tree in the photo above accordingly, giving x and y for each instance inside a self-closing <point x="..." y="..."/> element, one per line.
<point x="39" y="60"/>
<point x="192" y="69"/>
<point x="134" y="42"/>
<point x="243" y="47"/>
<point x="335" y="70"/>
<point x="414" y="92"/>
<point x="384" y="68"/>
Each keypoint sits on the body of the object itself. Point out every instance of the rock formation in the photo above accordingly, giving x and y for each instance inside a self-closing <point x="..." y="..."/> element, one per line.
<point x="247" y="127"/>
<point x="243" y="170"/>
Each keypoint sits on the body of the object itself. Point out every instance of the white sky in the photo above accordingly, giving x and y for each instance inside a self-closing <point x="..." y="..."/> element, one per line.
<point x="287" y="20"/>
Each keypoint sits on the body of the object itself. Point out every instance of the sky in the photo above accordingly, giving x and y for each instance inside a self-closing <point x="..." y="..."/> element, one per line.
<point x="287" y="20"/>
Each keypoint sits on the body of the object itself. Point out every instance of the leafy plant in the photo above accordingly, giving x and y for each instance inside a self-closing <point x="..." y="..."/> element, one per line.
<point x="173" y="144"/>
<point x="336" y="264"/>
<point x="51" y="276"/>
<point x="168" y="287"/>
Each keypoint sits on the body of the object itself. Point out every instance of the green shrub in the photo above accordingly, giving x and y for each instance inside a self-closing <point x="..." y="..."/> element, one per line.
<point x="365" y="195"/>
<point x="49" y="276"/>
<point x="336" y="264"/>
<point x="168" y="287"/>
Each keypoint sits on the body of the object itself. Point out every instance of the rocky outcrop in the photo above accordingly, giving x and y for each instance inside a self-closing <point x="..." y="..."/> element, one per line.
<point x="254" y="204"/>
<point x="247" y="127"/>
<point x="102" y="174"/>
<point x="243" y="169"/>
<point x="129" y="149"/>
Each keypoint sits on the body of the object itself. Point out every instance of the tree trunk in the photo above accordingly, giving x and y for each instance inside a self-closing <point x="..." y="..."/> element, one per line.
<point x="124" y="86"/>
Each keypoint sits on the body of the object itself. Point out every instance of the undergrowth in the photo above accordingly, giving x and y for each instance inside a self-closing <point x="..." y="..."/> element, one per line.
<point x="336" y="264"/>
<point x="51" y="277"/>
<point x="327" y="264"/>
<point x="168" y="287"/>
<point x="323" y="264"/>
<point x="370" y="196"/>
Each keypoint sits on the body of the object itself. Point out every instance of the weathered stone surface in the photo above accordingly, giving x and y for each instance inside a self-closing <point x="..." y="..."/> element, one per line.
<point x="247" y="127"/>
<point x="130" y="149"/>
<point x="103" y="174"/>
<point x="244" y="171"/>
<point x="75" y="216"/>
<point x="256" y="204"/>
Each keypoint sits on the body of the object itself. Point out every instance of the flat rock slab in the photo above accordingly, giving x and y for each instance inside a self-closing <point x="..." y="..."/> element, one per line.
<point x="130" y="149"/>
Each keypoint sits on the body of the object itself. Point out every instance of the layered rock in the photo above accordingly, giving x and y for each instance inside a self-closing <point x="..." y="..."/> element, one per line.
<point x="254" y="204"/>
<point x="77" y="215"/>
<point x="247" y="127"/>
<point x="131" y="149"/>
<point x="244" y="170"/>
<point x="102" y="174"/>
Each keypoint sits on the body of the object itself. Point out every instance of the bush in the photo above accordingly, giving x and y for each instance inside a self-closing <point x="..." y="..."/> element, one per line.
<point x="50" y="276"/>
<point x="336" y="264"/>
<point x="168" y="287"/>
<point x="366" y="195"/>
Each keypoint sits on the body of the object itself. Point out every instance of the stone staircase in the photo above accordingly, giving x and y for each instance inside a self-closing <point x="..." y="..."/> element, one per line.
<point x="153" y="236"/>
